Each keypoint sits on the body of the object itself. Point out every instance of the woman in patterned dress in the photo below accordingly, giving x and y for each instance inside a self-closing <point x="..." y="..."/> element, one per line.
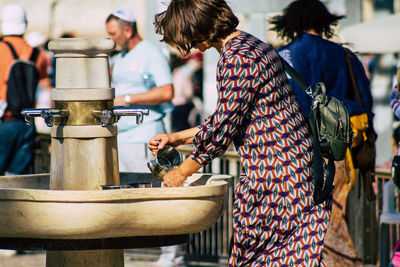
<point x="275" y="220"/>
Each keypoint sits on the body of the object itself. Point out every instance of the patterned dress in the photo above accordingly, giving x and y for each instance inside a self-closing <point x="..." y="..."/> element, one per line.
<point x="275" y="220"/>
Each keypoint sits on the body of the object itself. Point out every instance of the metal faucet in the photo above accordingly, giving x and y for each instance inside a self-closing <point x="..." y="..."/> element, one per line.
<point x="108" y="117"/>
<point x="46" y="113"/>
<point x="138" y="112"/>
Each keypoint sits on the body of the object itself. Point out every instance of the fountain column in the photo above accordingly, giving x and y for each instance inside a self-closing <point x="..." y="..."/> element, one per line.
<point x="84" y="152"/>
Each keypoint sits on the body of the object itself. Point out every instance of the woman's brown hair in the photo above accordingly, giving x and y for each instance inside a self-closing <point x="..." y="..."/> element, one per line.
<point x="188" y="22"/>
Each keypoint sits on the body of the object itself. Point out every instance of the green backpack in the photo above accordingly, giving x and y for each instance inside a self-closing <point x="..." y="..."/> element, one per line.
<point x="331" y="133"/>
<point x="332" y="121"/>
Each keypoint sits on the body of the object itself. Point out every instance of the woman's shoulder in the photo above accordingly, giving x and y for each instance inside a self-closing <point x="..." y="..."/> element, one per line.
<point x="248" y="46"/>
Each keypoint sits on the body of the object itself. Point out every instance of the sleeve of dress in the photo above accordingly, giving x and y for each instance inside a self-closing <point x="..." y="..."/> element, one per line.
<point x="395" y="101"/>
<point x="238" y="80"/>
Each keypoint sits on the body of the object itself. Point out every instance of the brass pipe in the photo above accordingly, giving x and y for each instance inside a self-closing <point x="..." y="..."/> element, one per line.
<point x="81" y="112"/>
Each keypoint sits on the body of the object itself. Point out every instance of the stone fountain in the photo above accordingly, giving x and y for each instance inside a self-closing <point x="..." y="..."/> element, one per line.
<point x="66" y="212"/>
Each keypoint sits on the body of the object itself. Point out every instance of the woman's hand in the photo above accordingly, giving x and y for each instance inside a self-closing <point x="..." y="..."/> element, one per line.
<point x="174" y="178"/>
<point x="174" y="139"/>
<point x="177" y="177"/>
<point x="159" y="141"/>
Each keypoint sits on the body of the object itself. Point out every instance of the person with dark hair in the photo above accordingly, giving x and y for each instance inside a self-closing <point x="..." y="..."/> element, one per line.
<point x="307" y="25"/>
<point x="304" y="24"/>
<point x="184" y="100"/>
<point x="275" y="219"/>
<point x="304" y="16"/>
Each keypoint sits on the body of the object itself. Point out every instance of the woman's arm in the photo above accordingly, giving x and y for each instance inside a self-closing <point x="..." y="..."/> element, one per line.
<point x="185" y="137"/>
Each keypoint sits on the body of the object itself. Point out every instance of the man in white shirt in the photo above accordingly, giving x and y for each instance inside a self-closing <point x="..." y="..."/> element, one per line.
<point x="141" y="76"/>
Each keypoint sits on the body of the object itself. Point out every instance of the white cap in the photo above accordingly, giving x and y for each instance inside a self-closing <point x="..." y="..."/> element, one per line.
<point x="35" y="39"/>
<point x="13" y="20"/>
<point x="124" y="14"/>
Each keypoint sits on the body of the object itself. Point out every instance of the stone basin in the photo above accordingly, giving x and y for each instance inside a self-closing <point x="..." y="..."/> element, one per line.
<point x="28" y="210"/>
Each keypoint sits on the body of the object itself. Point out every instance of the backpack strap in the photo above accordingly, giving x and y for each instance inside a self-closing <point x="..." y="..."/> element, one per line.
<point x="321" y="193"/>
<point x="12" y="50"/>
<point x="300" y="81"/>
<point x="354" y="86"/>
<point x="33" y="57"/>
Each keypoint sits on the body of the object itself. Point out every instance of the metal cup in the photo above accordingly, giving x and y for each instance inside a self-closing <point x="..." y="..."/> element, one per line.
<point x="166" y="159"/>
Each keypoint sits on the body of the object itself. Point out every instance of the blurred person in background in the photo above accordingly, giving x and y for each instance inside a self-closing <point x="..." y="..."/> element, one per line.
<point x="185" y="100"/>
<point x="307" y="25"/>
<point x="142" y="77"/>
<point x="17" y="139"/>
<point x="43" y="93"/>
<point x="395" y="104"/>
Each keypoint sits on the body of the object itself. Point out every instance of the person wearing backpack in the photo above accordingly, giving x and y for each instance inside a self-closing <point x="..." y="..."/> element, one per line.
<point x="276" y="220"/>
<point x="21" y="68"/>
<point x="307" y="26"/>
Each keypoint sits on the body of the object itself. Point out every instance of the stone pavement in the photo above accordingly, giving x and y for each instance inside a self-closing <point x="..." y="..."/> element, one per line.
<point x="133" y="258"/>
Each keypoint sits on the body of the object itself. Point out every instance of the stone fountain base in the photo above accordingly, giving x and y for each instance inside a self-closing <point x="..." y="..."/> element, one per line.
<point x="34" y="217"/>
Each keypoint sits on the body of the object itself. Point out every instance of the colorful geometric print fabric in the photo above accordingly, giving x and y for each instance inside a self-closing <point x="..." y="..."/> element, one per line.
<point x="275" y="221"/>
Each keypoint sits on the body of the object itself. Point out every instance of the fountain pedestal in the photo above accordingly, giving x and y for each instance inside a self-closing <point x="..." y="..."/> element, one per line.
<point x="81" y="147"/>
<point x="84" y="153"/>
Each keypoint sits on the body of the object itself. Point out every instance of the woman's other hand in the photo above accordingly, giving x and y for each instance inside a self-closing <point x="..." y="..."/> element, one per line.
<point x="159" y="141"/>
<point x="174" y="178"/>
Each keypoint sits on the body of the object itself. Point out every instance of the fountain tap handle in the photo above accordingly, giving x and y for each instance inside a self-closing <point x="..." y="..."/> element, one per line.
<point x="45" y="113"/>
<point x="138" y="112"/>
<point x="49" y="113"/>
<point x="29" y="113"/>
<point x="105" y="116"/>
<point x="108" y="117"/>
